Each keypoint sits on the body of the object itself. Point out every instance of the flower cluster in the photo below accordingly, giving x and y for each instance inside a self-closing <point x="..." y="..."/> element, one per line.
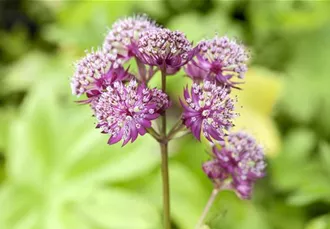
<point x="95" y="71"/>
<point x="125" y="107"/>
<point x="120" y="100"/>
<point x="237" y="165"/>
<point x="220" y="60"/>
<point x="124" y="111"/>
<point x="169" y="50"/>
<point x="123" y="36"/>
<point x="208" y="109"/>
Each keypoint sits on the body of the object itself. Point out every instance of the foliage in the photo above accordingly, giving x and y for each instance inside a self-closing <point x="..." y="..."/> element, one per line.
<point x="56" y="170"/>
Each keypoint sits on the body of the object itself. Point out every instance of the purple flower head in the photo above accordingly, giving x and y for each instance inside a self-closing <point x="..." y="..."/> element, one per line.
<point x="95" y="72"/>
<point x="208" y="109"/>
<point x="241" y="159"/>
<point x="219" y="59"/>
<point x="166" y="49"/>
<point x="123" y="35"/>
<point x="125" y="111"/>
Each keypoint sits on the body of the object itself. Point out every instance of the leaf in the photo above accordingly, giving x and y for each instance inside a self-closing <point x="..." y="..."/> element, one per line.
<point x="318" y="189"/>
<point x="20" y="212"/>
<point x="294" y="162"/>
<point x="314" y="187"/>
<point x="21" y="157"/>
<point x="6" y="116"/>
<point x="36" y="68"/>
<point x="23" y="72"/>
<point x="325" y="155"/>
<point x="277" y="210"/>
<point x="194" y="27"/>
<point x="308" y="81"/>
<point x="228" y="211"/>
<point x="76" y="21"/>
<point x="288" y="16"/>
<point x="115" y="164"/>
<point x="299" y="144"/>
<point x="155" y="10"/>
<point x="322" y="222"/>
<point x="56" y="158"/>
<point x="115" y="208"/>
<point x="33" y="136"/>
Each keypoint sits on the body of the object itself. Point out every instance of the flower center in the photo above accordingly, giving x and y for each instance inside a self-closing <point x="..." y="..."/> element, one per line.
<point x="216" y="67"/>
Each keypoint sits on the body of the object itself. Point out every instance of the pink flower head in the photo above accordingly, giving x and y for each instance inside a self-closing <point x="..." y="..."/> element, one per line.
<point x="209" y="110"/>
<point x="240" y="159"/>
<point x="166" y="49"/>
<point x="95" y="72"/>
<point x="123" y="35"/>
<point x="219" y="59"/>
<point x="125" y="111"/>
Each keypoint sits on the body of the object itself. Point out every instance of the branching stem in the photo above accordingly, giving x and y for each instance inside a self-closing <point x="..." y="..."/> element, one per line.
<point x="207" y="208"/>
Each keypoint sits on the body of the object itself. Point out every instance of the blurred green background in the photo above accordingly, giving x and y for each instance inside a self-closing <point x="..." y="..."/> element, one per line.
<point x="56" y="171"/>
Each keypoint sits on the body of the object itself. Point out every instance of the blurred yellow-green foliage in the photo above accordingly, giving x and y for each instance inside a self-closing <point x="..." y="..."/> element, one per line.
<point x="56" y="171"/>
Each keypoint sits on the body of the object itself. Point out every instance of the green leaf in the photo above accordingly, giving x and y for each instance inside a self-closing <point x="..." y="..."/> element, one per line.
<point x="20" y="203"/>
<point x="315" y="187"/>
<point x="322" y="222"/>
<point x="33" y="137"/>
<point x="325" y="155"/>
<point x="25" y="71"/>
<point x="299" y="143"/>
<point x="194" y="27"/>
<point x="6" y="116"/>
<point x="229" y="211"/>
<point x="115" y="208"/>
<point x="288" y="16"/>
<point x="56" y="158"/>
<point x="76" y="21"/>
<point x="115" y="164"/>
<point x="308" y="75"/>
<point x="294" y="163"/>
<point x="37" y="68"/>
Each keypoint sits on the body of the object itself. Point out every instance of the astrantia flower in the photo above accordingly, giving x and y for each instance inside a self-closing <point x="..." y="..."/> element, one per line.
<point x="209" y="110"/>
<point x="166" y="49"/>
<point x="95" y="72"/>
<point x="125" y="111"/>
<point x="238" y="164"/>
<point x="219" y="59"/>
<point x="123" y="35"/>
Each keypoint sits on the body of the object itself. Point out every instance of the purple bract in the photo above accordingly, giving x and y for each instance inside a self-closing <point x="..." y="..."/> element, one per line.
<point x="166" y="49"/>
<point x="209" y="110"/>
<point x="95" y="72"/>
<point x="125" y="111"/>
<point x="123" y="35"/>
<point x="240" y="160"/>
<point x="219" y="59"/>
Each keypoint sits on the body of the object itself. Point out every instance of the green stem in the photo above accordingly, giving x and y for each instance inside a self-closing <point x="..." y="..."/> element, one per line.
<point x="176" y="128"/>
<point x="207" y="208"/>
<point x="164" y="154"/>
<point x="166" y="188"/>
<point x="154" y="134"/>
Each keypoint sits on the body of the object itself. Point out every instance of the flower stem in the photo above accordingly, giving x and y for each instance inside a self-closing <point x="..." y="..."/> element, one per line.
<point x="164" y="155"/>
<point x="175" y="129"/>
<point x="166" y="188"/>
<point x="207" y="208"/>
<point x="154" y="134"/>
